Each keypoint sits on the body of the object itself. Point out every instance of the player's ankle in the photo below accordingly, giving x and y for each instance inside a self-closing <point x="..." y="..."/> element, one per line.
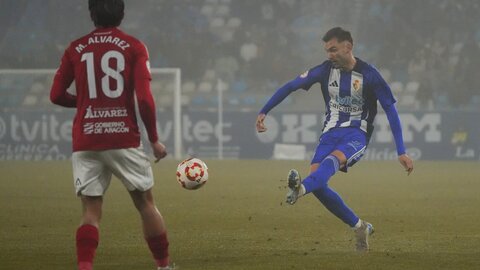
<point x="357" y="225"/>
<point x="301" y="190"/>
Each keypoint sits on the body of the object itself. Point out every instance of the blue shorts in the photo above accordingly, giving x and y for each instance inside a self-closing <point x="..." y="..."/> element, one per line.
<point x="350" y="141"/>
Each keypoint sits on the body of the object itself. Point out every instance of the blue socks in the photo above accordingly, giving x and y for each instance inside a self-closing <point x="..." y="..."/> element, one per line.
<point x="320" y="177"/>
<point x="334" y="203"/>
<point x="317" y="183"/>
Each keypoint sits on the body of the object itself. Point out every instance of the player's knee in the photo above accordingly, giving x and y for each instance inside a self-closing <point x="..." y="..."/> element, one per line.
<point x="340" y="156"/>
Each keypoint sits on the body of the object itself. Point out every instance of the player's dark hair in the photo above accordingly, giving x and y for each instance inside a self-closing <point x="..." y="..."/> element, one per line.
<point x="339" y="33"/>
<point x="106" y="13"/>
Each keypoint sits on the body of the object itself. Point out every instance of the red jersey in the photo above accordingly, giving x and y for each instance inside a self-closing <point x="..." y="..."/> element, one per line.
<point x="109" y="68"/>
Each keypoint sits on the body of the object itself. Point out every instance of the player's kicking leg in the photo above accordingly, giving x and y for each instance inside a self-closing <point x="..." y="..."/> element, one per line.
<point x="154" y="229"/>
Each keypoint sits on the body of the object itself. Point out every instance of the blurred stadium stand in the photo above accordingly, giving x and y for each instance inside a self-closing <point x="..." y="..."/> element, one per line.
<point x="427" y="50"/>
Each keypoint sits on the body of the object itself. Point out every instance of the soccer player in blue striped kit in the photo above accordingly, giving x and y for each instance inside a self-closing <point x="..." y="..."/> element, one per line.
<point x="351" y="89"/>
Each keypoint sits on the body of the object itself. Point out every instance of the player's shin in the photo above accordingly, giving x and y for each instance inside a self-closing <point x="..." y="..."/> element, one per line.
<point x="158" y="245"/>
<point x="334" y="203"/>
<point x="319" y="178"/>
<point x="86" y="241"/>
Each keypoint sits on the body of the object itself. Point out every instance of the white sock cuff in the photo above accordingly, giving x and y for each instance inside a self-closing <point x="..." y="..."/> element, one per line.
<point x="359" y="223"/>
<point x="302" y="190"/>
<point x="336" y="163"/>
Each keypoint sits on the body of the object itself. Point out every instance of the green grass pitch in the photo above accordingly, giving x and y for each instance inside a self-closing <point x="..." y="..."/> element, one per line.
<point x="428" y="220"/>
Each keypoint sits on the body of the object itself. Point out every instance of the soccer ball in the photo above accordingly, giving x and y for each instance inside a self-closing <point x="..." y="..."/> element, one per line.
<point x="192" y="173"/>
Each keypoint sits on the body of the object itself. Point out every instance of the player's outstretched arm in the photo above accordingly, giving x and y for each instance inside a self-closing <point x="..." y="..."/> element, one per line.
<point x="406" y="162"/>
<point x="276" y="99"/>
<point x="260" y="124"/>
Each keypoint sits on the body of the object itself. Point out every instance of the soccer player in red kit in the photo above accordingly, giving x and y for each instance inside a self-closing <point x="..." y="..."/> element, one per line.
<point x="110" y="69"/>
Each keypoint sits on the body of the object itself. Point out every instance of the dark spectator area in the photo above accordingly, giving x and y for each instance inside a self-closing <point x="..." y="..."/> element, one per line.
<point x="428" y="51"/>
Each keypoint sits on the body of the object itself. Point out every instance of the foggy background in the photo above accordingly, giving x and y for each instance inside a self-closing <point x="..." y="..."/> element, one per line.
<point x="428" y="51"/>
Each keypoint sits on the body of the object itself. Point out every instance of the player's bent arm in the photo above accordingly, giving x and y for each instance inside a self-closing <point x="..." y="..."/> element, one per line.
<point x="59" y="94"/>
<point x="61" y="82"/>
<point x="63" y="99"/>
<point x="146" y="107"/>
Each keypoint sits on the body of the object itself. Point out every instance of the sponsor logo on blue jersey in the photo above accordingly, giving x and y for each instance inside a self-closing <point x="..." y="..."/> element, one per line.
<point x="349" y="101"/>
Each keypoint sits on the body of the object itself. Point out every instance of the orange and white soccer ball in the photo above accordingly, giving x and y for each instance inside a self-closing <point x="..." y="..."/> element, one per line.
<point x="192" y="173"/>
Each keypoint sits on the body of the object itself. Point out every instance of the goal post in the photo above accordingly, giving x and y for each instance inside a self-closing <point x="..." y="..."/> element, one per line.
<point x="23" y="90"/>
<point x="177" y="105"/>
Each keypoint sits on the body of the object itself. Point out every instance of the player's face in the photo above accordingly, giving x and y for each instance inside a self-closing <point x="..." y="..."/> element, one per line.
<point x="338" y="52"/>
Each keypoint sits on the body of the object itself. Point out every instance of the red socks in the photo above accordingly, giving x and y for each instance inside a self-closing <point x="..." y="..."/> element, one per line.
<point x="87" y="242"/>
<point x="159" y="247"/>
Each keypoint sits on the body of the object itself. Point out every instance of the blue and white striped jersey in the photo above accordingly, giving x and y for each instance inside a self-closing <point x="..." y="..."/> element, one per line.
<point x="350" y="97"/>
